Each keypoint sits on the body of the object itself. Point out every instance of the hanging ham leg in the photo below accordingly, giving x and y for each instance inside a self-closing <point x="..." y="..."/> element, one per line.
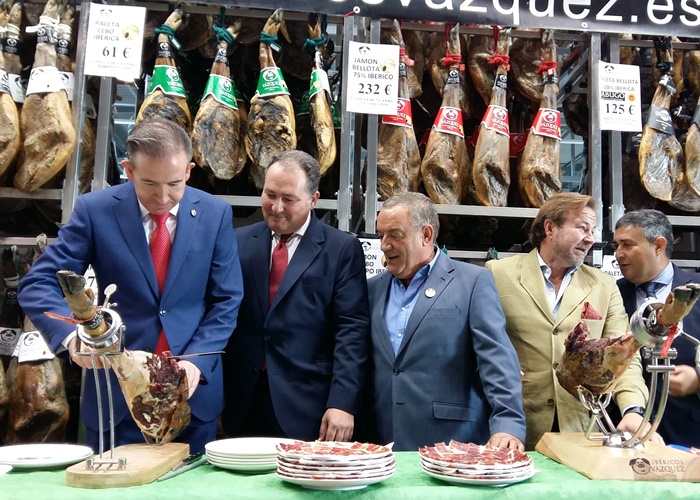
<point x="9" y="117"/>
<point x="216" y="141"/>
<point x="446" y="167"/>
<point x="660" y="153"/>
<point x="398" y="159"/>
<point x="692" y="154"/>
<point x="166" y="98"/>
<point x="540" y="170"/>
<point x="271" y="118"/>
<point x="491" y="169"/>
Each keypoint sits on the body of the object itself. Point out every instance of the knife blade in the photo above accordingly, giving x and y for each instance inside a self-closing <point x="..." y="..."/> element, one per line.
<point x="189" y="463"/>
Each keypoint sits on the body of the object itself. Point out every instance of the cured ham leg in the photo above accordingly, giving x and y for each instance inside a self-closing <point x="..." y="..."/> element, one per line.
<point x="9" y="116"/>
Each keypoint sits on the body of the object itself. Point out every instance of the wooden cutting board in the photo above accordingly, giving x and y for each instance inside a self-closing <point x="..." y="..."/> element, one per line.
<point x="144" y="464"/>
<point x="654" y="463"/>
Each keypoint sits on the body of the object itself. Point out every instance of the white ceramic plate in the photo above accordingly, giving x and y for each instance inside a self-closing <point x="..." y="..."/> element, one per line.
<point x="249" y="468"/>
<point x="226" y="458"/>
<point x="4" y="469"/>
<point x="248" y="447"/>
<point x="358" y="466"/>
<point x="479" y="482"/>
<point x="36" y="456"/>
<point x="334" y="484"/>
<point x="333" y="474"/>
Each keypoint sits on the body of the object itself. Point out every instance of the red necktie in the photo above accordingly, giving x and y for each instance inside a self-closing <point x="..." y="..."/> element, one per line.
<point x="279" y="265"/>
<point x="160" y="253"/>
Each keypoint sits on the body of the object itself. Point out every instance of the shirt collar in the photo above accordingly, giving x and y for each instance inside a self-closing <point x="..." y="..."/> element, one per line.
<point x="424" y="271"/>
<point x="666" y="276"/>
<point x="145" y="214"/>
<point x="547" y="271"/>
<point x="301" y="231"/>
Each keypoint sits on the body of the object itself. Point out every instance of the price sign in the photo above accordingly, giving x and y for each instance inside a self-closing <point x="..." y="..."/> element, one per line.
<point x="373" y="78"/>
<point x="114" y="41"/>
<point x="619" y="99"/>
<point x="373" y="257"/>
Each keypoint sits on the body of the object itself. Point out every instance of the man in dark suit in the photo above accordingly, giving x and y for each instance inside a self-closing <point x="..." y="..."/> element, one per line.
<point x="199" y="301"/>
<point x="444" y="367"/>
<point x="296" y="362"/>
<point x="643" y="248"/>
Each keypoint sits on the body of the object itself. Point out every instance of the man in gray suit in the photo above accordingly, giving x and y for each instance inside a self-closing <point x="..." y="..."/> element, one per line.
<point x="444" y="367"/>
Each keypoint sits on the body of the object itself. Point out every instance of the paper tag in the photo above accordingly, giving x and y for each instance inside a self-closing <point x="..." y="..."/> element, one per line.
<point x="8" y="340"/>
<point x="271" y="82"/>
<point x="17" y="88"/>
<point x="221" y="56"/>
<point x="164" y="50"/>
<point x="68" y="81"/>
<point x="452" y="77"/>
<point x="660" y="119"/>
<point x="403" y="116"/>
<point x="403" y="72"/>
<point x="667" y="81"/>
<point x="547" y="123"/>
<point x="318" y="83"/>
<point x="4" y="82"/>
<point x="44" y="79"/>
<point x="496" y="119"/>
<point x="304" y="104"/>
<point x="45" y="34"/>
<point x="32" y="347"/>
<point x="63" y="47"/>
<point x="337" y="118"/>
<point x="11" y="45"/>
<point x="517" y="144"/>
<point x="449" y="121"/>
<point x="550" y="77"/>
<point x="501" y="81"/>
<point x="167" y="79"/>
<point x="222" y="89"/>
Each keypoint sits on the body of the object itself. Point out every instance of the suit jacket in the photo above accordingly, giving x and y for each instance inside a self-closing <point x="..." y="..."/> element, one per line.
<point x="456" y="374"/>
<point x="200" y="299"/>
<point x="539" y="337"/>
<point x="680" y="423"/>
<point x="315" y="336"/>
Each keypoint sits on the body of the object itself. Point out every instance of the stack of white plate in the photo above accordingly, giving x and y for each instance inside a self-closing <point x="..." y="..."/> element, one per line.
<point x="251" y="455"/>
<point x="332" y="465"/>
<point x="468" y="463"/>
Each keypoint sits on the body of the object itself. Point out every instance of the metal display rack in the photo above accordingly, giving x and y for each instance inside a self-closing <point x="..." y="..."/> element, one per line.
<point x="352" y="206"/>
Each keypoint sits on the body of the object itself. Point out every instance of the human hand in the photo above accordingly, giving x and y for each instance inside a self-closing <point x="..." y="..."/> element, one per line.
<point x="192" y="373"/>
<point x="83" y="361"/>
<point x="684" y="381"/>
<point x="336" y="425"/>
<point x="505" y="440"/>
<point x="631" y="423"/>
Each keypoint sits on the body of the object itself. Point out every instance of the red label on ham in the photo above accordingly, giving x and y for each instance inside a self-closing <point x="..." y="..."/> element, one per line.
<point x="517" y="144"/>
<point x="496" y="119"/>
<point x="403" y="116"/>
<point x="449" y="121"/>
<point x="547" y="123"/>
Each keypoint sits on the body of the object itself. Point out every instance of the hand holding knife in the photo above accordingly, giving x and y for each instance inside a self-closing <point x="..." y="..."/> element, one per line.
<point x="189" y="463"/>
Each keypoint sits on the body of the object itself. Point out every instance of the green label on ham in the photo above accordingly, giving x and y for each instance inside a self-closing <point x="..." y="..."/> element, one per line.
<point x="222" y="89"/>
<point x="271" y="82"/>
<point x="337" y="119"/>
<point x="319" y="82"/>
<point x="167" y="79"/>
<point x="304" y="106"/>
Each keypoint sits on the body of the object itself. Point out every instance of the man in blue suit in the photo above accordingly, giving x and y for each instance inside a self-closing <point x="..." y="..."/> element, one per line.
<point x="198" y="305"/>
<point x="444" y="367"/>
<point x="296" y="362"/>
<point x="643" y="248"/>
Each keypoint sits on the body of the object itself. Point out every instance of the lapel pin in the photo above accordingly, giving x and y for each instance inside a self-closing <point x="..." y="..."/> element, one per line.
<point x="430" y="293"/>
<point x="193" y="212"/>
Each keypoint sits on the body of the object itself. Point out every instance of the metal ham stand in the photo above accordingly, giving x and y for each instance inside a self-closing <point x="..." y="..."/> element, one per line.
<point x="113" y="335"/>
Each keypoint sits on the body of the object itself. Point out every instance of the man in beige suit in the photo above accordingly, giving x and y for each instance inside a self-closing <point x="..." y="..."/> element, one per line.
<point x="542" y="294"/>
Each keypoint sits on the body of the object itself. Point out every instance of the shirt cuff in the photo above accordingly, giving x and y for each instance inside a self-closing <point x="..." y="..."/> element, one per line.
<point x="64" y="345"/>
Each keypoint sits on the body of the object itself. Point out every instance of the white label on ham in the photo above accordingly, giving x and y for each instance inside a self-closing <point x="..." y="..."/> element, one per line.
<point x="403" y="116"/>
<point x="449" y="121"/>
<point x="68" y="83"/>
<point x="547" y="123"/>
<point x="4" y="82"/>
<point x="17" y="89"/>
<point x="43" y="80"/>
<point x="496" y="119"/>
<point x="8" y="340"/>
<point x="32" y="347"/>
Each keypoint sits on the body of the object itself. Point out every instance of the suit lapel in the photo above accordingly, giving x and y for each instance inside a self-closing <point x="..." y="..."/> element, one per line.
<point x="378" y="322"/>
<point x="533" y="283"/>
<point x="187" y="220"/>
<point x="438" y="280"/>
<point x="261" y="248"/>
<point x="629" y="295"/>
<point x="575" y="294"/>
<point x="128" y="215"/>
<point x="309" y="247"/>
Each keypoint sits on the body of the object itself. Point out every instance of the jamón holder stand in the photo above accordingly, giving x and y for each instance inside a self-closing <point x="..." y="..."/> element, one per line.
<point x="113" y="336"/>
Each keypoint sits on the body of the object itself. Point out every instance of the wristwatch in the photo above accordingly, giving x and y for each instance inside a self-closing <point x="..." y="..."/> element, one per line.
<point x="634" y="409"/>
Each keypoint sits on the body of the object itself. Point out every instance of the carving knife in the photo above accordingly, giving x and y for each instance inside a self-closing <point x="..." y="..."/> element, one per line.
<point x="189" y="463"/>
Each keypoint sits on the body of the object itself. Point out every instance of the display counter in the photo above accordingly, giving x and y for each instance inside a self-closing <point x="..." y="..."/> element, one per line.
<point x="553" y="481"/>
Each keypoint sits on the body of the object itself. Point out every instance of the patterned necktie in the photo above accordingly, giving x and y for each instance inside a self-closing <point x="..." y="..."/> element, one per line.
<point x="279" y="266"/>
<point x="160" y="253"/>
<point x="650" y="288"/>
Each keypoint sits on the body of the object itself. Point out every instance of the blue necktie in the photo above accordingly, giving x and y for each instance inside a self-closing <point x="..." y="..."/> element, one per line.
<point x="650" y="288"/>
